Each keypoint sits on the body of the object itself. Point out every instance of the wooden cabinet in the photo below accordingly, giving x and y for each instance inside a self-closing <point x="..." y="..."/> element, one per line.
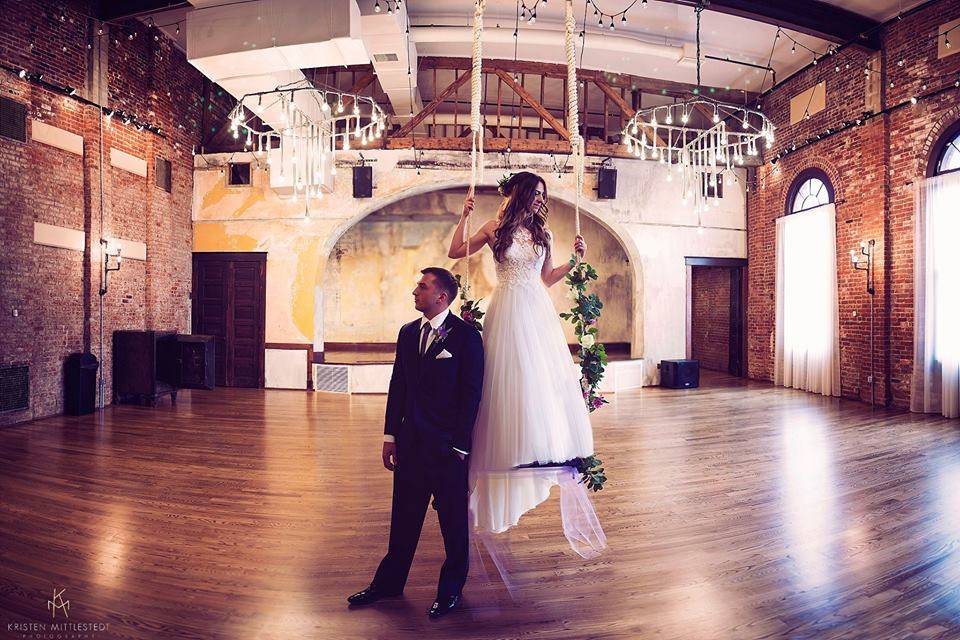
<point x="196" y="358"/>
<point x="145" y="366"/>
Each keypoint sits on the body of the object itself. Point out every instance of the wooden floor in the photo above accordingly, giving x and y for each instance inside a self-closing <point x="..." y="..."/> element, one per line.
<point x="737" y="510"/>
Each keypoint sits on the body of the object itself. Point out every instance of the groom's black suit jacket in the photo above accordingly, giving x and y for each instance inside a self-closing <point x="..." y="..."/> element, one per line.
<point x="434" y="402"/>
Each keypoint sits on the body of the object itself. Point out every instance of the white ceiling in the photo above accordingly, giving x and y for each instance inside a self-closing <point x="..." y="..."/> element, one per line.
<point x="722" y="35"/>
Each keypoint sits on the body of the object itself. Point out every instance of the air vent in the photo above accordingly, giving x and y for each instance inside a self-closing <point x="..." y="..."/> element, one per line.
<point x="162" y="171"/>
<point x="13" y="119"/>
<point x="14" y="388"/>
<point x="331" y="377"/>
<point x="385" y="57"/>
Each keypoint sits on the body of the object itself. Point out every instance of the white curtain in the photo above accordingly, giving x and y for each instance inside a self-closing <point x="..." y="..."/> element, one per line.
<point x="807" y="334"/>
<point x="936" y="301"/>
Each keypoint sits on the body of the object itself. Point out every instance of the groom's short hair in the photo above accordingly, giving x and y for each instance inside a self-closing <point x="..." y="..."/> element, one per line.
<point x="445" y="281"/>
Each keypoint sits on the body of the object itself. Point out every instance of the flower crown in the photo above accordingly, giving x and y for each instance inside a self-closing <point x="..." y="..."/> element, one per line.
<point x="503" y="185"/>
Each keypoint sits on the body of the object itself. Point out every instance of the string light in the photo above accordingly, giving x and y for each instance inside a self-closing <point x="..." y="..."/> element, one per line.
<point x="71" y="92"/>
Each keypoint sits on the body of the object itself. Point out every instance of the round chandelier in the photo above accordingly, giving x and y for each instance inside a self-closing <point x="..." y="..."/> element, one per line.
<point x="663" y="133"/>
<point x="303" y="127"/>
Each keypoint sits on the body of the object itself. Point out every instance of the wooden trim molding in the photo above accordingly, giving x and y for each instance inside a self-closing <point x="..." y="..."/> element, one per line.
<point x="297" y="346"/>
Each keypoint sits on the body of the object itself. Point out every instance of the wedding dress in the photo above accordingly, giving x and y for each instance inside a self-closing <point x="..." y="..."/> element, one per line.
<point x="532" y="409"/>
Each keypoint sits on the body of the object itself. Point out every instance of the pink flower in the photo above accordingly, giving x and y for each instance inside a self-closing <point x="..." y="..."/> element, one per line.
<point x="467" y="316"/>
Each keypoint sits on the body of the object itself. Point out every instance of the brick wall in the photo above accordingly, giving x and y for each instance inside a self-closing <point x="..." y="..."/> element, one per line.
<point x="710" y="317"/>
<point x="56" y="291"/>
<point x="873" y="168"/>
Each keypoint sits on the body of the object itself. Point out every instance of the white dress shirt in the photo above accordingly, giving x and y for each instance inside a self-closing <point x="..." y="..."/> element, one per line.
<point x="435" y="323"/>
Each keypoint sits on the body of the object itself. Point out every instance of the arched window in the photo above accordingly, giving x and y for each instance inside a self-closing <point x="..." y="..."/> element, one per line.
<point x="810" y="189"/>
<point x="946" y="153"/>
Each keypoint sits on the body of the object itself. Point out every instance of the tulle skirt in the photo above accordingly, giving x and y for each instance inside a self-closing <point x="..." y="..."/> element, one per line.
<point x="532" y="409"/>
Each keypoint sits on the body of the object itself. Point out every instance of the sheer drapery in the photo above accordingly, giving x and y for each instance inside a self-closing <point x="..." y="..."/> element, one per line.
<point x="936" y="301"/>
<point x="807" y="319"/>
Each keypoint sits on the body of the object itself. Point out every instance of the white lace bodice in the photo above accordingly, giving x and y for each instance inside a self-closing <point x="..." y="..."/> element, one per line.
<point x="522" y="262"/>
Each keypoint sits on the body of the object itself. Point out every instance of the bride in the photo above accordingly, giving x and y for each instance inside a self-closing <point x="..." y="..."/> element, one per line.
<point x="532" y="409"/>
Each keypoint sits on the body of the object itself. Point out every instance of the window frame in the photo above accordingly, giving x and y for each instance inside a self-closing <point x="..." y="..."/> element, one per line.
<point x="950" y="135"/>
<point x="230" y="174"/>
<point x="801" y="180"/>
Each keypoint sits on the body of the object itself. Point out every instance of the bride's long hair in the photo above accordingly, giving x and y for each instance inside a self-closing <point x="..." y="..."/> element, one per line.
<point x="517" y="193"/>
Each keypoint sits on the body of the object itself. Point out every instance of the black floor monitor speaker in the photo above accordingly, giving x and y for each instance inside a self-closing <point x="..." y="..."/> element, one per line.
<point x="363" y="182"/>
<point x="607" y="183"/>
<point x="680" y="374"/>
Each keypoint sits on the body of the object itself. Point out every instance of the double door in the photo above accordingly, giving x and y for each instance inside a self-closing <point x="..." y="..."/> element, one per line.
<point x="229" y="301"/>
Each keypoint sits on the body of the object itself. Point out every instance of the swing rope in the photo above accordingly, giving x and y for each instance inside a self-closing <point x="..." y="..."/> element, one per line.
<point x="476" y="124"/>
<point x="573" y="114"/>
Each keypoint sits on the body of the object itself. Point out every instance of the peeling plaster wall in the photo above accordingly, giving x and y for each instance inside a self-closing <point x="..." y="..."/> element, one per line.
<point x="656" y="229"/>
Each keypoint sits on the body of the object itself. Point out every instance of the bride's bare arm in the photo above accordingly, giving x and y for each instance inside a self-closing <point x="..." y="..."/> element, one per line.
<point x="552" y="275"/>
<point x="458" y="248"/>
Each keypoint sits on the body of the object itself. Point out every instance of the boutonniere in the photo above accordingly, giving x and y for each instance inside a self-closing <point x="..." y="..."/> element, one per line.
<point x="442" y="332"/>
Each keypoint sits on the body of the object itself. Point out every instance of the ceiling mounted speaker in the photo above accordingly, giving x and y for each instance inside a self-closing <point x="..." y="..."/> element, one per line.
<point x="363" y="182"/>
<point x="606" y="183"/>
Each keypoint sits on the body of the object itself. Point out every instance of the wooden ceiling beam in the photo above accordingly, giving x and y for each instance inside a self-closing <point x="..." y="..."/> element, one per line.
<point x="824" y="20"/>
<point x="525" y="95"/>
<point x="627" y="110"/>
<point x="415" y="121"/>
<point x="670" y="88"/>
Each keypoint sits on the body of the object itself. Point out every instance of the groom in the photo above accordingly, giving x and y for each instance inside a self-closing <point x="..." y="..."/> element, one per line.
<point x="431" y="407"/>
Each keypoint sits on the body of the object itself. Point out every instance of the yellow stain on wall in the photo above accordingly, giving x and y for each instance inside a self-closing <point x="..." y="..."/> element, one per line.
<point x="213" y="236"/>
<point x="308" y="261"/>
<point x="216" y="193"/>
<point x="219" y="190"/>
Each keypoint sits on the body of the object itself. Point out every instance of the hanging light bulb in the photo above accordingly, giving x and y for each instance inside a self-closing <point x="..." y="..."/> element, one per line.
<point x="716" y="115"/>
<point x="793" y="48"/>
<point x="669" y="118"/>
<point x="346" y="142"/>
<point x="340" y="105"/>
<point x="611" y="25"/>
<point x="376" y="6"/>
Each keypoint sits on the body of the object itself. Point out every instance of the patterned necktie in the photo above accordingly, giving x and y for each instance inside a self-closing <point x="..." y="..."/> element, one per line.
<point x="424" y="333"/>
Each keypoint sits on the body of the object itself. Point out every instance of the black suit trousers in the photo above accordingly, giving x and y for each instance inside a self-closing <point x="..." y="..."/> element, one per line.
<point x="423" y="472"/>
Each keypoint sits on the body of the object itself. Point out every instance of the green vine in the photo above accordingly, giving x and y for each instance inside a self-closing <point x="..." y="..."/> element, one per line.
<point x="584" y="315"/>
<point x="470" y="309"/>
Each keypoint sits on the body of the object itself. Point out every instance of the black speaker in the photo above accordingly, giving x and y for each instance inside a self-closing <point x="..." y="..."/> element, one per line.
<point x="680" y="374"/>
<point x="80" y="384"/>
<point x="363" y="182"/>
<point x="606" y="183"/>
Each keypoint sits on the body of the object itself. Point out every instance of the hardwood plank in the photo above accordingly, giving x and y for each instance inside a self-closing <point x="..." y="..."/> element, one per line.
<point x="736" y="510"/>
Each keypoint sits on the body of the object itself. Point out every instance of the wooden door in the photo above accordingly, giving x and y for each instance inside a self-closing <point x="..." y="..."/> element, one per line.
<point x="229" y="300"/>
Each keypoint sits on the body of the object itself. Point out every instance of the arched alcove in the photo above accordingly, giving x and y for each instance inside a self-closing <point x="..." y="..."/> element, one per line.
<point x="405" y="231"/>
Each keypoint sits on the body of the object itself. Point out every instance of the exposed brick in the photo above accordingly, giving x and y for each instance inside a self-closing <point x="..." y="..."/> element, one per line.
<point x="873" y="168"/>
<point x="56" y="290"/>
<point x="710" y="317"/>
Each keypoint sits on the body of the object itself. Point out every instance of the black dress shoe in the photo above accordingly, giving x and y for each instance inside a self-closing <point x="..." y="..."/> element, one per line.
<point x="370" y="595"/>
<point x="444" y="605"/>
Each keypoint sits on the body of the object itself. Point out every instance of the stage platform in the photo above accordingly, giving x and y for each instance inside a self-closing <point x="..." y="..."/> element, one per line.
<point x="374" y="377"/>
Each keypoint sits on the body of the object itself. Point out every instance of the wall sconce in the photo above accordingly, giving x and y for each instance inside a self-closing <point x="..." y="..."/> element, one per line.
<point x="105" y="273"/>
<point x="863" y="261"/>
